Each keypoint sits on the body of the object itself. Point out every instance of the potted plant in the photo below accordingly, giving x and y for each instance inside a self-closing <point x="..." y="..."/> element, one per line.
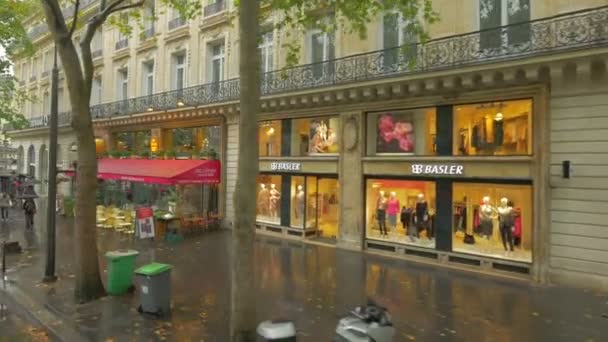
<point x="157" y="155"/>
<point x="125" y="155"/>
<point x="170" y="154"/>
<point x="203" y="154"/>
<point x="144" y="154"/>
<point x="115" y="154"/>
<point x="103" y="154"/>
<point x="212" y="154"/>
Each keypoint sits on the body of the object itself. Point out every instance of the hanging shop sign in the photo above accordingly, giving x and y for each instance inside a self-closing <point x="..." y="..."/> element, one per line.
<point x="145" y="223"/>
<point x="285" y="166"/>
<point x="438" y="169"/>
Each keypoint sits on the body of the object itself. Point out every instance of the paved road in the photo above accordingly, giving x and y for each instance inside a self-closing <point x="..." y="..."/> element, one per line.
<point x="313" y="285"/>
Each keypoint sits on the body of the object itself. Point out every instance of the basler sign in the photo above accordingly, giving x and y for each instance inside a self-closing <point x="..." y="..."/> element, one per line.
<point x="438" y="169"/>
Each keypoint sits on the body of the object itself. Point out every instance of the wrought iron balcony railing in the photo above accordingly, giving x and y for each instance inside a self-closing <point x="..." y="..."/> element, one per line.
<point x="214" y="8"/>
<point x="63" y="119"/>
<point x="191" y="96"/>
<point x="566" y="32"/>
<point x="176" y="22"/>
<point x="121" y="44"/>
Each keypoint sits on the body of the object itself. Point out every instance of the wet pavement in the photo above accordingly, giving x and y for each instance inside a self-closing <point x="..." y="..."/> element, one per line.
<point x="314" y="286"/>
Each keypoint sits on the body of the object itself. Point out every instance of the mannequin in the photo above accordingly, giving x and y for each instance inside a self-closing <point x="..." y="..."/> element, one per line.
<point x="381" y="212"/>
<point x="263" y="200"/>
<point x="299" y="200"/>
<point x="392" y="209"/>
<point x="506" y="218"/>
<point x="275" y="195"/>
<point x="486" y="213"/>
<point x="421" y="214"/>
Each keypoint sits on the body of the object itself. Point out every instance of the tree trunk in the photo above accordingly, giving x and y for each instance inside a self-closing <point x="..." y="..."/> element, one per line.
<point x="243" y="318"/>
<point x="88" y="281"/>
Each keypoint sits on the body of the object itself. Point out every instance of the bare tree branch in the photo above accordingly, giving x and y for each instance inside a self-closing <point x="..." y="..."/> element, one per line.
<point x="126" y="7"/>
<point x="75" y="20"/>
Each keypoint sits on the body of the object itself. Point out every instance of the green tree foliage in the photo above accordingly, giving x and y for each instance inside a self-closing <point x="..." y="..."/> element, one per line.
<point x="13" y="39"/>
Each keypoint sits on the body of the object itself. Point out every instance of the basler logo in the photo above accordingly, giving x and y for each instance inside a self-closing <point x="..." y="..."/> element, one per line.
<point x="437" y="169"/>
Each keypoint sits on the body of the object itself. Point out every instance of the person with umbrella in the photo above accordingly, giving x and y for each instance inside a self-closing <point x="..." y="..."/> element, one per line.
<point x="29" y="206"/>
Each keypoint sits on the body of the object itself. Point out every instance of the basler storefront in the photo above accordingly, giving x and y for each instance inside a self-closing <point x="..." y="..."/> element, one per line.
<point x="298" y="188"/>
<point x="453" y="180"/>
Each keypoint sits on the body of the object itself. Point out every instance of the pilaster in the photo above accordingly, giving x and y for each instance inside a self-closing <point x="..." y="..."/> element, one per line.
<point x="351" y="229"/>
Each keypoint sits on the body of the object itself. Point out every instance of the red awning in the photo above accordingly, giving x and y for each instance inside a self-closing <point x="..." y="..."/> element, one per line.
<point x="169" y="172"/>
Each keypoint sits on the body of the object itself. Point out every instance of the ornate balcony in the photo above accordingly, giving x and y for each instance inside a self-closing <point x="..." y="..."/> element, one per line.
<point x="177" y="22"/>
<point x="214" y="8"/>
<point x="563" y="33"/>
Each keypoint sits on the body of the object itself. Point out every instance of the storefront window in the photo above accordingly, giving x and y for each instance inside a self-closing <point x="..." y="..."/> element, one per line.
<point x="493" y="220"/>
<point x="269" y="199"/>
<point x="190" y="140"/>
<point x="298" y="202"/>
<point x="132" y="141"/>
<point x="494" y="128"/>
<point x="316" y="136"/>
<point x="410" y="132"/>
<point x="269" y="133"/>
<point x="401" y="211"/>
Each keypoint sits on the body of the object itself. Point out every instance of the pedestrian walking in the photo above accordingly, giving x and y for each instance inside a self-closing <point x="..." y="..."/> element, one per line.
<point x="29" y="207"/>
<point x="5" y="203"/>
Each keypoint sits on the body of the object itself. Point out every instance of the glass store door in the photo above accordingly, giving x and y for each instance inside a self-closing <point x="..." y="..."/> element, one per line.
<point x="327" y="209"/>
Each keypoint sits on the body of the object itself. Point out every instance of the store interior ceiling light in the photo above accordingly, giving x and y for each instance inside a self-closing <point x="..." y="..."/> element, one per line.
<point x="180" y="103"/>
<point x="150" y="109"/>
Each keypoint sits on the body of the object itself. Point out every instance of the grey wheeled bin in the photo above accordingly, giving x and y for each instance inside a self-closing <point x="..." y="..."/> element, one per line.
<point x="154" y="285"/>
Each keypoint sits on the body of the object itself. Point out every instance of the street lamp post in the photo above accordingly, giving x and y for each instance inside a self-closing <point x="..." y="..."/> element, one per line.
<point x="49" y="272"/>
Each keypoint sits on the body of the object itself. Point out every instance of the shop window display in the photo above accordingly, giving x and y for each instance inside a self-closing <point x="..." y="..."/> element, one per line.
<point x="411" y="132"/>
<point x="401" y="211"/>
<point x="269" y="133"/>
<point x="269" y="199"/>
<point x="495" y="128"/>
<point x="493" y="220"/>
<point x="316" y="136"/>
<point x="328" y="210"/>
<point x="298" y="203"/>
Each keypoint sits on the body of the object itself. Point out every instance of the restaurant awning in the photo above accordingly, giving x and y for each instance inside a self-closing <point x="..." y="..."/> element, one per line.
<point x="169" y="172"/>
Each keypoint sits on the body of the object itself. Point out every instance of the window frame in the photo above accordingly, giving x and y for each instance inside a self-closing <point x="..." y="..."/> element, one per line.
<point x="213" y="57"/>
<point x="148" y="77"/>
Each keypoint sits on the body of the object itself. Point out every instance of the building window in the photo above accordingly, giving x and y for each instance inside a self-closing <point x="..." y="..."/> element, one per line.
<point x="47" y="61"/>
<point x="494" y="128"/>
<point x="269" y="133"/>
<point x="322" y="49"/>
<point x="496" y="13"/>
<point x="96" y="91"/>
<point x="97" y="43"/>
<point x="493" y="220"/>
<point x="123" y="84"/>
<point x="216" y="63"/>
<point x="401" y="211"/>
<point x="132" y="141"/>
<point x="266" y="52"/>
<point x="179" y="62"/>
<point x="268" y="203"/>
<point x="189" y="141"/>
<point x="148" y="81"/>
<point x="396" y="33"/>
<point x="409" y="132"/>
<point x="149" y="19"/>
<point x="34" y="72"/>
<point x="315" y="136"/>
<point x="46" y="104"/>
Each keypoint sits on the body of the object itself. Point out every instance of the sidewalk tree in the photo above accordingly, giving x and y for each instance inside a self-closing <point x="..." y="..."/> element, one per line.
<point x="292" y="18"/>
<point x="12" y="38"/>
<point x="77" y="61"/>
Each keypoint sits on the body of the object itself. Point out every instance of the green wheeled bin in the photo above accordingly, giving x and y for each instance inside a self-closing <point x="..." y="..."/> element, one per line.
<point x="120" y="270"/>
<point x="154" y="285"/>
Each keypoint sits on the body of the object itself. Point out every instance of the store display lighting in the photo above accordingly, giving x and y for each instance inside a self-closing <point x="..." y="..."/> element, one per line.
<point x="498" y="116"/>
<point x="180" y="103"/>
<point x="150" y="109"/>
<point x="270" y="131"/>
